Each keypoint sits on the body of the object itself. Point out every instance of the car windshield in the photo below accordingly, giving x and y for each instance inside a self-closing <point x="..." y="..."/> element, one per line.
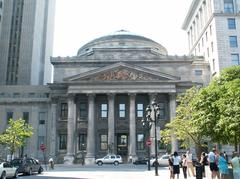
<point x="16" y="162"/>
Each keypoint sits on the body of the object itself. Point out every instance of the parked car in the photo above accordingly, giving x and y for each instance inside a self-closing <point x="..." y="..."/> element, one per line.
<point x="7" y="170"/>
<point x="29" y="166"/>
<point x="162" y="161"/>
<point x="140" y="161"/>
<point x="109" y="159"/>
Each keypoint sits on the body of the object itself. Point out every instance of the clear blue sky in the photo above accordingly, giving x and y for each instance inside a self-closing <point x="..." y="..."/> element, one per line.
<point x="80" y="21"/>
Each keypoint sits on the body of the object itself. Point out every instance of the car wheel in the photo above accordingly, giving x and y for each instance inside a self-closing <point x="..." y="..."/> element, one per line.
<point x="30" y="172"/>
<point x="40" y="170"/>
<point x="3" y="176"/>
<point x="154" y="163"/>
<point x="116" y="163"/>
<point x="16" y="174"/>
<point x="100" y="163"/>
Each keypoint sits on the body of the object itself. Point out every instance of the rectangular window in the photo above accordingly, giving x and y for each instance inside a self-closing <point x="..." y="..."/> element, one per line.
<point x="42" y="118"/>
<point x="122" y="110"/>
<point x="9" y="116"/>
<point x="235" y="59"/>
<point x="206" y="34"/>
<point x="26" y="117"/>
<point x="233" y="41"/>
<point x="83" y="110"/>
<point x="64" y="111"/>
<point x="62" y="141"/>
<point x="162" y="110"/>
<point x="140" y="142"/>
<point x="228" y="6"/>
<point x="202" y="42"/>
<point x="104" y="110"/>
<point x="231" y="23"/>
<point x="103" y="142"/>
<point x="139" y="110"/>
<point x="198" y="72"/>
<point x="82" y="144"/>
<point x="212" y="46"/>
<point x="207" y="52"/>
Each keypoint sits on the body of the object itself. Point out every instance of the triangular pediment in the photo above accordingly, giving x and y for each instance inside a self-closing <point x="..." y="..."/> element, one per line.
<point x="121" y="72"/>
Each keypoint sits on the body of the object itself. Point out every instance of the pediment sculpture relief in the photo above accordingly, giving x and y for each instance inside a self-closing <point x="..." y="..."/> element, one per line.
<point x="121" y="74"/>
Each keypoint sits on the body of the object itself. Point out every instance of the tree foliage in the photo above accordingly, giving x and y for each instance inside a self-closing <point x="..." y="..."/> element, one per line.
<point x="14" y="136"/>
<point x="212" y="113"/>
<point x="183" y="126"/>
<point x="219" y="107"/>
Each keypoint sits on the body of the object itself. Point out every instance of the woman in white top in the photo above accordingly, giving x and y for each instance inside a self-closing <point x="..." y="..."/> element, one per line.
<point x="176" y="165"/>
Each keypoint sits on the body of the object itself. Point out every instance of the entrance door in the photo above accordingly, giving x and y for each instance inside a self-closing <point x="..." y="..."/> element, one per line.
<point x="122" y="145"/>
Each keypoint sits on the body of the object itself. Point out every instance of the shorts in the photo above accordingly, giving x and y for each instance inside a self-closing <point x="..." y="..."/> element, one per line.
<point x="176" y="169"/>
<point x="213" y="167"/>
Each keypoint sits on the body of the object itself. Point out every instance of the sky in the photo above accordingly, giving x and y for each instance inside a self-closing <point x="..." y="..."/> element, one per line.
<point x="79" y="21"/>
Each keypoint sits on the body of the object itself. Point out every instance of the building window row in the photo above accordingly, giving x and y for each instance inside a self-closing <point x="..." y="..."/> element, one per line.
<point x="83" y="110"/>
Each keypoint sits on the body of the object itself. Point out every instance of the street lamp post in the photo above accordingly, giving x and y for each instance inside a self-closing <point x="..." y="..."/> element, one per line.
<point x="154" y="120"/>
<point x="147" y="124"/>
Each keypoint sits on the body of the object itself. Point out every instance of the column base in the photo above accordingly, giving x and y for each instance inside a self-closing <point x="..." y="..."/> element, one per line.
<point x="89" y="160"/>
<point x="68" y="159"/>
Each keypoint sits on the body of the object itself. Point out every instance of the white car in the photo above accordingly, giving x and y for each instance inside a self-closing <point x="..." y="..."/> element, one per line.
<point x="162" y="161"/>
<point x="109" y="159"/>
<point x="7" y="170"/>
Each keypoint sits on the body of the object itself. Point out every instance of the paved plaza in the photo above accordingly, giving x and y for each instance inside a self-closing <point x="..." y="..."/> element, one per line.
<point x="125" y="171"/>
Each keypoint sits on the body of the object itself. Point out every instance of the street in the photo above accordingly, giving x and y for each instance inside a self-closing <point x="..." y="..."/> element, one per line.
<point x="124" y="171"/>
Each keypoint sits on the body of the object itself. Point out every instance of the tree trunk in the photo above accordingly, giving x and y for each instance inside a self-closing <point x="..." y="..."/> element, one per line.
<point x="199" y="149"/>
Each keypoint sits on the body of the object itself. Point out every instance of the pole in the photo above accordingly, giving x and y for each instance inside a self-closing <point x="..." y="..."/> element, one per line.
<point x="156" y="156"/>
<point x="149" y="167"/>
<point x="44" y="157"/>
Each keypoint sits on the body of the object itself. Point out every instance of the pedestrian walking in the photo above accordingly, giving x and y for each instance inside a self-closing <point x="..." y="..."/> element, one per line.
<point x="203" y="162"/>
<point x="213" y="160"/>
<point x="223" y="166"/>
<point x="170" y="165"/>
<point x="190" y="168"/>
<point x="51" y="163"/>
<point x="176" y="165"/>
<point x="235" y="162"/>
<point x="184" y="165"/>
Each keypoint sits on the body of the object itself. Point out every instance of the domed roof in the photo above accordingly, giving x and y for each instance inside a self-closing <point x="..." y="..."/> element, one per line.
<point x="122" y="39"/>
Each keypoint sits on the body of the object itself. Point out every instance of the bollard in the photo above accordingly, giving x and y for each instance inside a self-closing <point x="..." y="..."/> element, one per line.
<point x="199" y="174"/>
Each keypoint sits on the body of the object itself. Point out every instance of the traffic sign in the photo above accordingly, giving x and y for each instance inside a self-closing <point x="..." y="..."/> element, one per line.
<point x="42" y="147"/>
<point x="148" y="142"/>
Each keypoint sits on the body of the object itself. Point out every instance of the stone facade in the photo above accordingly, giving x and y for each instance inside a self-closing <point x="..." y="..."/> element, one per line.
<point x="98" y="98"/>
<point x="210" y="24"/>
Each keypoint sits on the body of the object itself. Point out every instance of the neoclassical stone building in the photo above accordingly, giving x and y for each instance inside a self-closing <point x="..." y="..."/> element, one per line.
<point x="98" y="98"/>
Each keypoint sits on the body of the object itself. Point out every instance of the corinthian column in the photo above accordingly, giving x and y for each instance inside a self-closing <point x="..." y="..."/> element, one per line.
<point x="111" y="122"/>
<point x="90" y="156"/>
<point x="68" y="159"/>
<point x="172" y="107"/>
<point x="132" y="127"/>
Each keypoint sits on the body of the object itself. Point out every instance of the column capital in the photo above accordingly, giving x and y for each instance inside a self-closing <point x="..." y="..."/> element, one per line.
<point x="132" y="95"/>
<point x="111" y="95"/>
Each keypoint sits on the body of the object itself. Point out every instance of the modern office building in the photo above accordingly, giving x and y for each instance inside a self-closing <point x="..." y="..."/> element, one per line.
<point x="98" y="98"/>
<point x="26" y="41"/>
<point x="213" y="28"/>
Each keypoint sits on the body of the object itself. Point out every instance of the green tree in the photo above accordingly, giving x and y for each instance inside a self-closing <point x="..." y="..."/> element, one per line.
<point x="218" y="107"/>
<point x="183" y="126"/>
<point x="14" y="136"/>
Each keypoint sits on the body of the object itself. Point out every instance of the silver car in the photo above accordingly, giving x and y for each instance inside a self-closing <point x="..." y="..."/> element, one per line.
<point x="162" y="161"/>
<point x="7" y="170"/>
<point x="109" y="159"/>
